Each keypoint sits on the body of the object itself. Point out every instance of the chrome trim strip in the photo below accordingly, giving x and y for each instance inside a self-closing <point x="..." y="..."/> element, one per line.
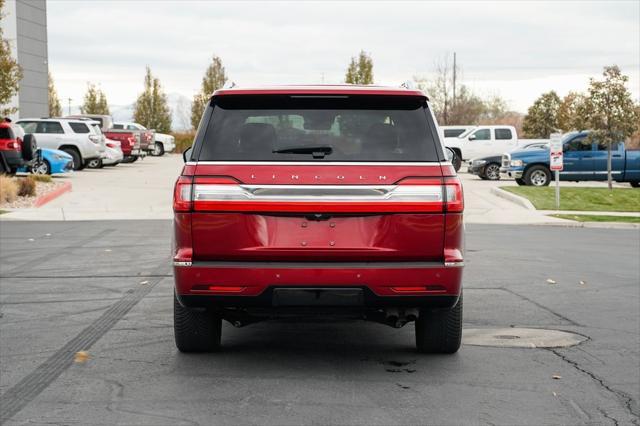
<point x="453" y="264"/>
<point x="315" y="163"/>
<point x="317" y="265"/>
<point x="176" y="263"/>
<point x="325" y="193"/>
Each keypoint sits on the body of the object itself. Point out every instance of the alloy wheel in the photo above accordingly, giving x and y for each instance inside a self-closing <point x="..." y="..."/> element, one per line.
<point x="492" y="172"/>
<point x="538" y="178"/>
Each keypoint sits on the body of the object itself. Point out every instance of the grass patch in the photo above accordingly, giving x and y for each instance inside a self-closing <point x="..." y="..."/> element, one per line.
<point x="597" y="218"/>
<point x="4" y="211"/>
<point x="585" y="199"/>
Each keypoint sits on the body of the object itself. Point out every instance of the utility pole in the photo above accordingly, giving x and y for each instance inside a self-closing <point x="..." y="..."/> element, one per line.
<point x="454" y="79"/>
<point x="69" y="99"/>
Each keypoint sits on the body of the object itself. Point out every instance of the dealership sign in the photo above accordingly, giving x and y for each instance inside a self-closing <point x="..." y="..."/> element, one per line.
<point x="555" y="152"/>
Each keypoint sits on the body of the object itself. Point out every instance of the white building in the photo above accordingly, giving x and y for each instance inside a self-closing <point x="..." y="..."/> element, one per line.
<point x="24" y="25"/>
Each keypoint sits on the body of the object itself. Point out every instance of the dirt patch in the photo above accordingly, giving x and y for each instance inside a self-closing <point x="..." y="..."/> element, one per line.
<point x="42" y="188"/>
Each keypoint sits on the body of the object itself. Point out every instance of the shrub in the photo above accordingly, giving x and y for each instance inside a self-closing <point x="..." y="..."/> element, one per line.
<point x="27" y="186"/>
<point x="183" y="140"/>
<point x="42" y="178"/>
<point x="8" y="189"/>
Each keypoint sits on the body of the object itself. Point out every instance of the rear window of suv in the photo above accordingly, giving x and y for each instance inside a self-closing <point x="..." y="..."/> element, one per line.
<point x="6" y="133"/>
<point x="79" y="127"/>
<point x="319" y="128"/>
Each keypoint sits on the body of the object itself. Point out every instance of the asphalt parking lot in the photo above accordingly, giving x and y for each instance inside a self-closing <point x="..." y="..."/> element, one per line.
<point x="105" y="287"/>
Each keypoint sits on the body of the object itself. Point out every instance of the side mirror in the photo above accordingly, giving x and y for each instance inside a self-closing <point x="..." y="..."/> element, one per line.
<point x="187" y="153"/>
<point x="449" y="153"/>
<point x="472" y="137"/>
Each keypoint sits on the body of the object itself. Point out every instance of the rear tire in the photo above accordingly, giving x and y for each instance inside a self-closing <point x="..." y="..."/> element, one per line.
<point x="520" y="182"/>
<point x="95" y="164"/>
<point x="635" y="184"/>
<point x="439" y="331"/>
<point x="158" y="149"/>
<point x="29" y="147"/>
<point x="78" y="164"/>
<point x="196" y="330"/>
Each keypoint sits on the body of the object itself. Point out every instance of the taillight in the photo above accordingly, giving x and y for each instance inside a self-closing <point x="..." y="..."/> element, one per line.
<point x="111" y="145"/>
<point x="453" y="194"/>
<point x="411" y="195"/>
<point x="182" y="194"/>
<point x="15" y="145"/>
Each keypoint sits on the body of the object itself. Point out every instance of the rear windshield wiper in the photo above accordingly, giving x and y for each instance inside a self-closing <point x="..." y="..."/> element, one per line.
<point x="316" y="151"/>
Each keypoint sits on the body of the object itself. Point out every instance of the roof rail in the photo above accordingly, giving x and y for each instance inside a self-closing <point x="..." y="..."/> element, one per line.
<point x="409" y="85"/>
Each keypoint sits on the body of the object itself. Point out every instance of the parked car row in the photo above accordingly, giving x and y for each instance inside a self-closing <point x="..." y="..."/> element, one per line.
<point x="60" y="144"/>
<point x="585" y="159"/>
<point x="469" y="142"/>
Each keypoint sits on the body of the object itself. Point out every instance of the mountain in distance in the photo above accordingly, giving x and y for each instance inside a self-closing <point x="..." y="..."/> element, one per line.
<point x="179" y="104"/>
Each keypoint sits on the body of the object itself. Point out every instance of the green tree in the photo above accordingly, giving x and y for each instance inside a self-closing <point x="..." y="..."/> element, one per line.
<point x="95" y="101"/>
<point x="542" y="117"/>
<point x="10" y="72"/>
<point x="214" y="78"/>
<point x="55" y="109"/>
<point x="360" y="70"/>
<point x="151" y="109"/>
<point x="568" y="117"/>
<point x="609" y="111"/>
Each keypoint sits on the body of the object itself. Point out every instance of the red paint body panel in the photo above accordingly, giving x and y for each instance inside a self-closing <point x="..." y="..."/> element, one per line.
<point x="255" y="280"/>
<point x="253" y="237"/>
<point x="316" y="174"/>
<point x="127" y="140"/>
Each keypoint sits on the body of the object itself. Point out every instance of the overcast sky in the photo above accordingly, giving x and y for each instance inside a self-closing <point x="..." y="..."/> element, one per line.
<point x="513" y="49"/>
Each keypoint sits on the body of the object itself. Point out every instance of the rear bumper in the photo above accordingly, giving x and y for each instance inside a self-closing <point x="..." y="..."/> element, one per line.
<point x="14" y="159"/>
<point x="252" y="284"/>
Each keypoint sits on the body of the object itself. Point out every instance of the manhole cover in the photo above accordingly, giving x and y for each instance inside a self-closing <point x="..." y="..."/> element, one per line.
<point x="520" y="337"/>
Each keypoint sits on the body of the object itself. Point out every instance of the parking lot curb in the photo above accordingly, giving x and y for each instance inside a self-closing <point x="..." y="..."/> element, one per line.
<point x="50" y="196"/>
<point x="521" y="201"/>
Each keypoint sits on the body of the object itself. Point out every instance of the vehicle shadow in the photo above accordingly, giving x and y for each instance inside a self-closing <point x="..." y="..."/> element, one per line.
<point x="328" y="347"/>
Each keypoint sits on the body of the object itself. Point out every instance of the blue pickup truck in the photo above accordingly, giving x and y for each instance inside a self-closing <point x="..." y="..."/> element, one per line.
<point x="582" y="161"/>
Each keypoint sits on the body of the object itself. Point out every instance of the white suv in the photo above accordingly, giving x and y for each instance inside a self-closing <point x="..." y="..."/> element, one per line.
<point x="76" y="137"/>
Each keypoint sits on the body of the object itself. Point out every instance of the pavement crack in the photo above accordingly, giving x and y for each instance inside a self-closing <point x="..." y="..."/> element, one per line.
<point x="570" y="321"/>
<point x="607" y="416"/>
<point x="626" y="400"/>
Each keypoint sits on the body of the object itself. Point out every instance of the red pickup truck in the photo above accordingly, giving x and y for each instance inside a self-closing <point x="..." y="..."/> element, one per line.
<point x="322" y="201"/>
<point x="129" y="143"/>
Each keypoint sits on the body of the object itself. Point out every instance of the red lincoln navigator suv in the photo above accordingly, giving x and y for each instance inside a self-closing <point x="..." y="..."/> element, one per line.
<point x="322" y="201"/>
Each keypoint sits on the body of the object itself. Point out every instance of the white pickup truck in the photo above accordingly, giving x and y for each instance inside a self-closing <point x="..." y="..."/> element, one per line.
<point x="485" y="141"/>
<point x="162" y="142"/>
